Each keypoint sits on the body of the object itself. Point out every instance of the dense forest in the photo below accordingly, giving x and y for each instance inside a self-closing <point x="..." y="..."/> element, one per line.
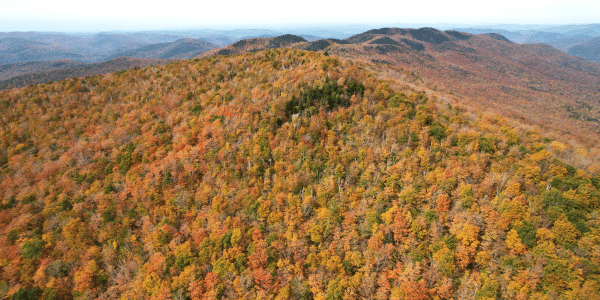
<point x="534" y="83"/>
<point x="286" y="174"/>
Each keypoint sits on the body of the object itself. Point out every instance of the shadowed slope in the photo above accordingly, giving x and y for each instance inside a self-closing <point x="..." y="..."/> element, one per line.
<point x="182" y="49"/>
<point x="76" y="70"/>
<point x="589" y="49"/>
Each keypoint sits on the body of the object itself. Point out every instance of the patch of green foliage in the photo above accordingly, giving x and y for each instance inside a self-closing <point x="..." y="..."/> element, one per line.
<point x="329" y="96"/>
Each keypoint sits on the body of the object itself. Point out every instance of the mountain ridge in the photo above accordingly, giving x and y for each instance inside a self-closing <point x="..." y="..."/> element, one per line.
<point x="184" y="48"/>
<point x="290" y="174"/>
<point x="512" y="74"/>
<point x="589" y="49"/>
<point x="76" y="70"/>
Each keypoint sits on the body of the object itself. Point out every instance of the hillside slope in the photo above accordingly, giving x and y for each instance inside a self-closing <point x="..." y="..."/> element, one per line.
<point x="181" y="49"/>
<point x="589" y="49"/>
<point x="57" y="70"/>
<point x="15" y="50"/>
<point x="13" y="70"/>
<point x="286" y="174"/>
<point x="534" y="82"/>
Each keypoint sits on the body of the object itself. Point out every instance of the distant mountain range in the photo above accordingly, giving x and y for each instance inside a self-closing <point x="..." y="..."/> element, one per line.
<point x="19" y="47"/>
<point x="15" y="50"/>
<point x="577" y="40"/>
<point x="46" y="55"/>
<point x="180" y="49"/>
<point x="589" y="49"/>
<point x="27" y="58"/>
<point x="42" y="72"/>
<point x="26" y="47"/>
<point x="18" y="69"/>
<point x="34" y="57"/>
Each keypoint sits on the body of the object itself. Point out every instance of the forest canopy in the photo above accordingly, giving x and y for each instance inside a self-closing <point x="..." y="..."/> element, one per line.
<point x="285" y="174"/>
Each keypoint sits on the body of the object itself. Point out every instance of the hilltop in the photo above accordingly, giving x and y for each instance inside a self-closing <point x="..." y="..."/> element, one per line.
<point x="25" y="47"/>
<point x="257" y="44"/>
<point x="287" y="173"/>
<point x="534" y="82"/>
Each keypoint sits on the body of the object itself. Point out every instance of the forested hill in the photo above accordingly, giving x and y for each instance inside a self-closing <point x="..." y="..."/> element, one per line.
<point x="286" y="174"/>
<point x="533" y="82"/>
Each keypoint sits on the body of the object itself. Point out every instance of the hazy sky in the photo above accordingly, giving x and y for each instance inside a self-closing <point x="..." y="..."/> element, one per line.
<point x="68" y="15"/>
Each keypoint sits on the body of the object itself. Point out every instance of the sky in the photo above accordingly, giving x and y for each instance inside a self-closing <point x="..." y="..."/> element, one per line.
<point x="107" y="15"/>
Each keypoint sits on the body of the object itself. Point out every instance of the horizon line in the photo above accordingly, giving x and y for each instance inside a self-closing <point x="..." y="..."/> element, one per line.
<point x="275" y="26"/>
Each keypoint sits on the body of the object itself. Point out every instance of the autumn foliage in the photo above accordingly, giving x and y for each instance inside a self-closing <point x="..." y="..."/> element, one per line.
<point x="199" y="180"/>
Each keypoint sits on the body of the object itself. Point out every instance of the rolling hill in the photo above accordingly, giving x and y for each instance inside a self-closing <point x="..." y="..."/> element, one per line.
<point x="13" y="70"/>
<point x="31" y="58"/>
<point x="26" y="53"/>
<point x="292" y="174"/>
<point x="180" y="49"/>
<point x="17" y="47"/>
<point x="589" y="49"/>
<point x="42" y="72"/>
<point x="534" y="82"/>
<point x="571" y="39"/>
<point x="15" y="50"/>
